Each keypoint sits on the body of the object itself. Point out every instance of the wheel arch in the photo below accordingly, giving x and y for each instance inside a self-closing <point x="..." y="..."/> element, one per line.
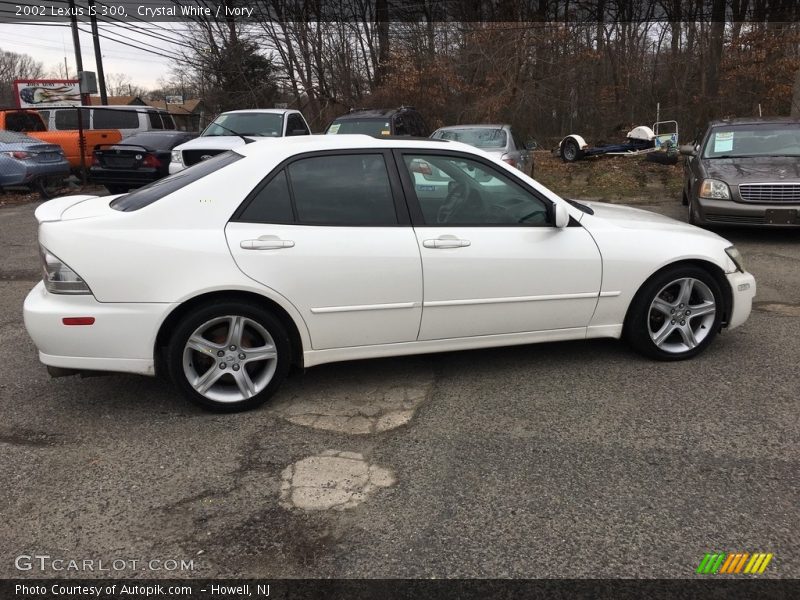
<point x="714" y="270"/>
<point x="174" y="317"/>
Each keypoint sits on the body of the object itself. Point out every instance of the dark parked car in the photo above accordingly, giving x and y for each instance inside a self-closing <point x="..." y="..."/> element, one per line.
<point x="30" y="162"/>
<point x="744" y="172"/>
<point x="136" y="161"/>
<point x="381" y="122"/>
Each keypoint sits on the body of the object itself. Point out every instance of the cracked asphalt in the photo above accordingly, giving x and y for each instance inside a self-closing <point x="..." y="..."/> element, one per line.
<point x="559" y="460"/>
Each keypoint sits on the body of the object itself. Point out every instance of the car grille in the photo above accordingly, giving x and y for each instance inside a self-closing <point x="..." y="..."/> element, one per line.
<point x="192" y="157"/>
<point x="770" y="192"/>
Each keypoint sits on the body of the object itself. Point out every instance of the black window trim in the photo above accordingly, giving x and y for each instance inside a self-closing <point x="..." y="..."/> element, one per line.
<point x="400" y="205"/>
<point x="415" y="209"/>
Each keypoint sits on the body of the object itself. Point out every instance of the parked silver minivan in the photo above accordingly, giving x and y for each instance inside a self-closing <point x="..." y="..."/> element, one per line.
<point x="128" y="119"/>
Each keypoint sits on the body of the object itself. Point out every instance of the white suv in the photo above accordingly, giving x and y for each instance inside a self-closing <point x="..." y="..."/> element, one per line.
<point x="235" y="128"/>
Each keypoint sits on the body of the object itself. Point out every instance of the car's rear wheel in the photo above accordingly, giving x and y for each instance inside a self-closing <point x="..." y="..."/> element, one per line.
<point x="676" y="314"/>
<point x="229" y="356"/>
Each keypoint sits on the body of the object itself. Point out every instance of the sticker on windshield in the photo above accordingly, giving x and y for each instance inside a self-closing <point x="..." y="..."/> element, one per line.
<point x="334" y="128"/>
<point x="723" y="141"/>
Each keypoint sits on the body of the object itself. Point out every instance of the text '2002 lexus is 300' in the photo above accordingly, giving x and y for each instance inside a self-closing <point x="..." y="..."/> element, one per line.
<point x="319" y="249"/>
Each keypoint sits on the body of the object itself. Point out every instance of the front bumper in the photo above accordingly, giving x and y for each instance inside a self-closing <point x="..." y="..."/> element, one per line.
<point x="730" y="212"/>
<point x="743" y="290"/>
<point x="122" y="337"/>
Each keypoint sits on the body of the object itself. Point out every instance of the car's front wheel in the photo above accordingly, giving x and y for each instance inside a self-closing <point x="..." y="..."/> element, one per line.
<point x="676" y="314"/>
<point x="229" y="356"/>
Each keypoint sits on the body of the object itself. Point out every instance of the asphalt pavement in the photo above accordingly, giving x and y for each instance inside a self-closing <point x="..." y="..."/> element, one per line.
<point x="577" y="459"/>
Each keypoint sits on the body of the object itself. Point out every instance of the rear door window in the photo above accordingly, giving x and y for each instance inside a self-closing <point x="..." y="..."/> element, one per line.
<point x="351" y="189"/>
<point x="270" y="204"/>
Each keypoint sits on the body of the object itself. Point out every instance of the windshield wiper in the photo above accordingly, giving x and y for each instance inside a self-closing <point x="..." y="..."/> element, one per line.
<point x="240" y="135"/>
<point x="580" y="206"/>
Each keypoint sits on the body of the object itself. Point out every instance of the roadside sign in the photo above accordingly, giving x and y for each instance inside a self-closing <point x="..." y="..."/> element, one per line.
<point x="45" y="93"/>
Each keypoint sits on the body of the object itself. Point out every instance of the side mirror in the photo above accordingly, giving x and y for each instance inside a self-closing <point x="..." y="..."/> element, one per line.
<point x="562" y="215"/>
<point x="688" y="150"/>
<point x="531" y="144"/>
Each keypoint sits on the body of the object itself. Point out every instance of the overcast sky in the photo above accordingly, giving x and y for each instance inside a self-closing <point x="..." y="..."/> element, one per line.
<point x="49" y="45"/>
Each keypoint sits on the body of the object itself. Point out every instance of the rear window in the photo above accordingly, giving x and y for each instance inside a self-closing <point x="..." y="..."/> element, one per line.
<point x="115" y="119"/>
<point x="480" y="137"/>
<point x="163" y="187"/>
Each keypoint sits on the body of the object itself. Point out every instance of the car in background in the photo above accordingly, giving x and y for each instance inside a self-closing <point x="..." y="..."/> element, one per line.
<point x="380" y="122"/>
<point x="136" y="161"/>
<point x="237" y="127"/>
<point x="498" y="140"/>
<point x="29" y="162"/>
<point x="744" y="172"/>
<point x="127" y="119"/>
<point x="318" y="249"/>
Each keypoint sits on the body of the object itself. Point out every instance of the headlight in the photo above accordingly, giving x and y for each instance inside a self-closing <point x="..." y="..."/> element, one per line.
<point x="717" y="190"/>
<point x="58" y="277"/>
<point x="736" y="257"/>
<point x="176" y="156"/>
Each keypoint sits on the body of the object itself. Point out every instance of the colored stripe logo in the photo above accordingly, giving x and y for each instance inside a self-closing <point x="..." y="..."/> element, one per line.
<point x="734" y="563"/>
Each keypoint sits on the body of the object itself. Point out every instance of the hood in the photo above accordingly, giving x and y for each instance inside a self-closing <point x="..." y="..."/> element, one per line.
<point x="753" y="169"/>
<point x="627" y="217"/>
<point x="213" y="142"/>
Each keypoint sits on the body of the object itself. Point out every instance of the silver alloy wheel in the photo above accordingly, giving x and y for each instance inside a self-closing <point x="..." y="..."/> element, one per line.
<point x="230" y="358"/>
<point x="570" y="151"/>
<point x="681" y="315"/>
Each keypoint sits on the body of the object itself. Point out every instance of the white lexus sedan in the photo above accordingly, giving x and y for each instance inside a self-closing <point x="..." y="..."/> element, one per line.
<point x="332" y="248"/>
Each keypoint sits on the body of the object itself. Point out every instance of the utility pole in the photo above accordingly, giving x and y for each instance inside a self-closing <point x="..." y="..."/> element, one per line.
<point x="84" y="100"/>
<point x="98" y="57"/>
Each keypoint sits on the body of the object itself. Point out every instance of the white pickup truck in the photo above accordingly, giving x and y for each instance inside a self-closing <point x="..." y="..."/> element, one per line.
<point x="235" y="128"/>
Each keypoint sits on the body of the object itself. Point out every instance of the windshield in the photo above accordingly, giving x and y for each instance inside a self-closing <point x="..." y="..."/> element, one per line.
<point x="255" y="124"/>
<point x="480" y="137"/>
<point x="373" y="127"/>
<point x="775" y="139"/>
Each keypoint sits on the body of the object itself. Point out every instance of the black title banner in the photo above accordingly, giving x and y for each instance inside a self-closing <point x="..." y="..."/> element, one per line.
<point x="396" y="589"/>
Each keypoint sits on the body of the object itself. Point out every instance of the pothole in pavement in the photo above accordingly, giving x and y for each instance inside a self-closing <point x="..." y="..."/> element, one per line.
<point x="332" y="480"/>
<point x="355" y="400"/>
<point x="781" y="308"/>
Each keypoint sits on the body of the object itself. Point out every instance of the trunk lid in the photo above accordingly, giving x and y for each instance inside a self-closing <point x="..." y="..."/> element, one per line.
<point x="68" y="208"/>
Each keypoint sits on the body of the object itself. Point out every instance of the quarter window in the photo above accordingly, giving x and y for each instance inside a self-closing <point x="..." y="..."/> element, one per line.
<point x="271" y="204"/>
<point x="351" y="189"/>
<point x="457" y="191"/>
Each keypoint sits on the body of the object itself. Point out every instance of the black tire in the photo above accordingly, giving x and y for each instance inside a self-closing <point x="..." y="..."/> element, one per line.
<point x="116" y="189"/>
<point x="642" y="318"/>
<point x="570" y="151"/>
<point x="256" y="316"/>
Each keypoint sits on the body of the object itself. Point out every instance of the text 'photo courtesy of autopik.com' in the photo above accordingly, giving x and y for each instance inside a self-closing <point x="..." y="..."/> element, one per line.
<point x="399" y="299"/>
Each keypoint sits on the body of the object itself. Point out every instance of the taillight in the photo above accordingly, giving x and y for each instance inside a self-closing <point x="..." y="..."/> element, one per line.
<point x="18" y="154"/>
<point x="151" y="161"/>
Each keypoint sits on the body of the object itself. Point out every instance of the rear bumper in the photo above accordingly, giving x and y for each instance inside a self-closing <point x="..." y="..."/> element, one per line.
<point x="23" y="172"/>
<point x="743" y="290"/>
<point x="729" y="212"/>
<point x="132" y="178"/>
<point x="122" y="337"/>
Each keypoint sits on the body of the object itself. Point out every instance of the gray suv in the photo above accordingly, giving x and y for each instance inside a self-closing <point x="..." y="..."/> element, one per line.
<point x="744" y="172"/>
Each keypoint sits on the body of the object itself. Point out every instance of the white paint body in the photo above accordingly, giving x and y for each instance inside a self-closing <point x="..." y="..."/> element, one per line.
<point x="351" y="292"/>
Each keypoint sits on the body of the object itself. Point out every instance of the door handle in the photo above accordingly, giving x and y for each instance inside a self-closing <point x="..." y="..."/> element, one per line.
<point x="449" y="242"/>
<point x="270" y="243"/>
